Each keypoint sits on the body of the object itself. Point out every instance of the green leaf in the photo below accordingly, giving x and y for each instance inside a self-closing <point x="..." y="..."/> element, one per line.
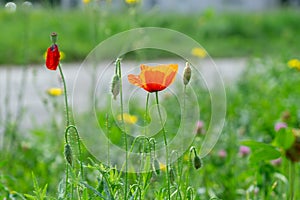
<point x="263" y="154"/>
<point x="44" y="191"/>
<point x="256" y="145"/>
<point x="261" y="151"/>
<point x="93" y="190"/>
<point x="28" y="196"/>
<point x="284" y="138"/>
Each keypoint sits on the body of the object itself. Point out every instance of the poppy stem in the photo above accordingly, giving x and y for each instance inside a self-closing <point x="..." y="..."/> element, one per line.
<point x="118" y="69"/>
<point x="107" y="127"/>
<point x="66" y="96"/>
<point x="67" y="123"/>
<point x="146" y="113"/>
<point x="68" y="127"/>
<point x="166" y="144"/>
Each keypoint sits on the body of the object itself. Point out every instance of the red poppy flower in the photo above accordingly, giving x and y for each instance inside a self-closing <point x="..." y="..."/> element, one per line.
<point x="52" y="58"/>
<point x="154" y="78"/>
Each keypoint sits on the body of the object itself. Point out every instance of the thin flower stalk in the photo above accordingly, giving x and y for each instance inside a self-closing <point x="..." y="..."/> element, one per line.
<point x="107" y="127"/>
<point x="146" y="113"/>
<point x="65" y="96"/>
<point x="166" y="145"/>
<point x="119" y="73"/>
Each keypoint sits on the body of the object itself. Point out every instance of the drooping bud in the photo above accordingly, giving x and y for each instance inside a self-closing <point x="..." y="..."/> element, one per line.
<point x="115" y="87"/>
<point x="197" y="162"/>
<point x="187" y="73"/>
<point x="68" y="154"/>
<point x="156" y="166"/>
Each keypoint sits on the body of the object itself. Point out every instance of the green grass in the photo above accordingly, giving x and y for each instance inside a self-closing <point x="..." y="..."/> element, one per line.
<point x="266" y="90"/>
<point x="25" y="36"/>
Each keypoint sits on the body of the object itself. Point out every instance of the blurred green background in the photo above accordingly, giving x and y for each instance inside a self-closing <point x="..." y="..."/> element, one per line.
<point x="25" y="32"/>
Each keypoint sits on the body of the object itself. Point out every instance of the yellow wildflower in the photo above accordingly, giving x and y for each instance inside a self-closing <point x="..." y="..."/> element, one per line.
<point x="294" y="63"/>
<point x="199" y="52"/>
<point x="162" y="167"/>
<point x="55" y="91"/>
<point x="62" y="55"/>
<point x="132" y="1"/>
<point x="128" y="119"/>
<point x="86" y="1"/>
<point x="186" y="157"/>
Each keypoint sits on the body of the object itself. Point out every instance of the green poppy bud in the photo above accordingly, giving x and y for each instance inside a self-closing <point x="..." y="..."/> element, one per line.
<point x="187" y="73"/>
<point x="53" y="37"/>
<point x="68" y="154"/>
<point x="197" y="162"/>
<point x="115" y="88"/>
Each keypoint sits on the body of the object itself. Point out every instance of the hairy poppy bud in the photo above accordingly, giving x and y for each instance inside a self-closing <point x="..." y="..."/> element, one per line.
<point x="115" y="88"/>
<point x="187" y="73"/>
<point x="197" y="162"/>
<point x="68" y="154"/>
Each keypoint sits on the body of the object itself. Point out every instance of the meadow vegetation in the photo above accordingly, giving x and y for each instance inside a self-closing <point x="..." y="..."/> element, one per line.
<point x="256" y="157"/>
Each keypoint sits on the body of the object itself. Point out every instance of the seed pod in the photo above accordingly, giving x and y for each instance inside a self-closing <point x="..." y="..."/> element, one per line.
<point x="197" y="162"/>
<point x="187" y="73"/>
<point x="115" y="88"/>
<point x="53" y="37"/>
<point x="156" y="166"/>
<point x="68" y="154"/>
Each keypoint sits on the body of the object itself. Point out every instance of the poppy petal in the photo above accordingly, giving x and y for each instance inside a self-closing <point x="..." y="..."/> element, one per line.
<point x="155" y="78"/>
<point x="52" y="57"/>
<point x="135" y="80"/>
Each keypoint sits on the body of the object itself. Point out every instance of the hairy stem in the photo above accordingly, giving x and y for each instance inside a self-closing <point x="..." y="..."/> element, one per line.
<point x="166" y="145"/>
<point x="118" y="68"/>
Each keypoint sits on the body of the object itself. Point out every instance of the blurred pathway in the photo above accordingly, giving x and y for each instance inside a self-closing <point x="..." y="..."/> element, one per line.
<point x="38" y="79"/>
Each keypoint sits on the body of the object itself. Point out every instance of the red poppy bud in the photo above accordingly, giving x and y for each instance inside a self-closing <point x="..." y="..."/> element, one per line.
<point x="53" y="56"/>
